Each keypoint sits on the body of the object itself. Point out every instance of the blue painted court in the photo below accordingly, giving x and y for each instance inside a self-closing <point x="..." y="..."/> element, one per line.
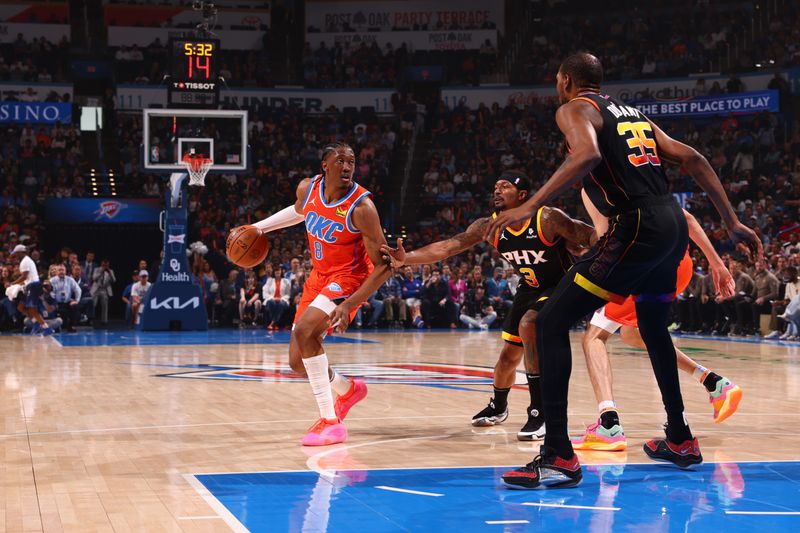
<point x="641" y="497"/>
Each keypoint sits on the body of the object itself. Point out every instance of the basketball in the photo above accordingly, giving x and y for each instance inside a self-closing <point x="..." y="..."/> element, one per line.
<point x="246" y="246"/>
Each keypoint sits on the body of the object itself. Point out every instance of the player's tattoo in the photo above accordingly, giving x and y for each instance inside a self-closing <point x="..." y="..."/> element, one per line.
<point x="573" y="231"/>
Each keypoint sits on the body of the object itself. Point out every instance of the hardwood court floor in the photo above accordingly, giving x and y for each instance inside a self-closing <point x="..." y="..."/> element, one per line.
<point x="104" y="432"/>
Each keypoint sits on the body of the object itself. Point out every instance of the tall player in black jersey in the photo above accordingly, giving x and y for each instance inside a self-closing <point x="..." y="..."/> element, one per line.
<point x="537" y="248"/>
<point x="618" y="153"/>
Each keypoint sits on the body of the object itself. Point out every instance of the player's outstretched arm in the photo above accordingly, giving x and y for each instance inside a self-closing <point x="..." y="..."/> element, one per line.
<point x="366" y="219"/>
<point x="556" y="223"/>
<point x="288" y="216"/>
<point x="723" y="281"/>
<point x="698" y="167"/>
<point x="578" y="121"/>
<point x="439" y="250"/>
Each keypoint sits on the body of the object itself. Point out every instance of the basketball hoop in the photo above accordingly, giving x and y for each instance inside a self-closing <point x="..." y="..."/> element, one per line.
<point x="197" y="165"/>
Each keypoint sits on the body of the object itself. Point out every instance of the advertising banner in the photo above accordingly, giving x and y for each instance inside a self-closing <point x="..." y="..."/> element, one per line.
<point x="706" y="106"/>
<point x="404" y="15"/>
<point x="414" y="40"/>
<point x="102" y="211"/>
<point x="627" y="91"/>
<point x="35" y="112"/>
<point x="309" y="100"/>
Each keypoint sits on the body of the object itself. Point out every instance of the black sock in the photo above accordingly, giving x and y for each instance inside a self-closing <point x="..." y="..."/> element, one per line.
<point x="501" y="398"/>
<point x="677" y="430"/>
<point x="535" y="390"/>
<point x="609" y="418"/>
<point x="710" y="382"/>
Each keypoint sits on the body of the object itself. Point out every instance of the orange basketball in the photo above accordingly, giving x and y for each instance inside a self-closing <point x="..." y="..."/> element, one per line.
<point x="246" y="246"/>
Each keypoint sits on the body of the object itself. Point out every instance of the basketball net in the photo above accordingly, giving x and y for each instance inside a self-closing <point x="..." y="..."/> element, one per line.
<point x="197" y="165"/>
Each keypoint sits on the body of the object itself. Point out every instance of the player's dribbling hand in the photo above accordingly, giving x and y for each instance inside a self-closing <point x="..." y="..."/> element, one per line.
<point x="397" y="256"/>
<point x="741" y="233"/>
<point x="506" y="218"/>
<point x="340" y="319"/>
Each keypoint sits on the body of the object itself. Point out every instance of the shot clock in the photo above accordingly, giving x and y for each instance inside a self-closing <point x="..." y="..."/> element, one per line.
<point x="194" y="69"/>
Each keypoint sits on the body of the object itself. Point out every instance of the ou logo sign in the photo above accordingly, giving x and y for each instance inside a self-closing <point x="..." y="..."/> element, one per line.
<point x="174" y="265"/>
<point x="173" y="302"/>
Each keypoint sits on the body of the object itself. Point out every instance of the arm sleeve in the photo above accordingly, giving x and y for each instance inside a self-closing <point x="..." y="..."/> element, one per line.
<point x="282" y="219"/>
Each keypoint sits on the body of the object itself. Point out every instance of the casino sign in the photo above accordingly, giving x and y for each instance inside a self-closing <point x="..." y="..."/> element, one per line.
<point x="411" y="373"/>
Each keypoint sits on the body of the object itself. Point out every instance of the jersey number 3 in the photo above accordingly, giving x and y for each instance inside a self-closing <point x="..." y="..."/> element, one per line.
<point x="530" y="276"/>
<point x="643" y="147"/>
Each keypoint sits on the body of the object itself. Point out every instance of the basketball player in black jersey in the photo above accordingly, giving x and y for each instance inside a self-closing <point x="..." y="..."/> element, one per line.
<point x="618" y="152"/>
<point x="537" y="248"/>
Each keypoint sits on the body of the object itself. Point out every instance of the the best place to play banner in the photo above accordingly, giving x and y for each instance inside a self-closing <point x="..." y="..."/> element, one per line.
<point x="705" y="106"/>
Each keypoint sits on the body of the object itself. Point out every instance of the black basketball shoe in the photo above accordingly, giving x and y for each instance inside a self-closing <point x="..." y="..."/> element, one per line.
<point x="547" y="470"/>
<point x="684" y="455"/>
<point x="534" y="427"/>
<point x="490" y="416"/>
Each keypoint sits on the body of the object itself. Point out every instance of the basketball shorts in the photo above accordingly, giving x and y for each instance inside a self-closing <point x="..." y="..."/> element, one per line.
<point x="33" y="294"/>
<point x="524" y="300"/>
<point x="326" y="292"/>
<point x="639" y="254"/>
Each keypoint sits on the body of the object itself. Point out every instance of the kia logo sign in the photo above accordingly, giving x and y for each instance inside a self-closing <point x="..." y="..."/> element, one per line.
<point x="38" y="112"/>
<point x="173" y="302"/>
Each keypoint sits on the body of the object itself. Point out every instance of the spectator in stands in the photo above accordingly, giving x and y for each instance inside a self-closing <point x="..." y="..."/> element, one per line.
<point x="496" y="286"/>
<point x="276" y="292"/>
<point x="411" y="291"/>
<point x="249" y="300"/>
<point x="766" y="292"/>
<point x="87" y="267"/>
<point x="102" y="289"/>
<point x="437" y="304"/>
<point x="127" y="298"/>
<point x="735" y="312"/>
<point x="67" y="295"/>
<point x="477" y="311"/>
<point x="228" y="297"/>
<point x="86" y="303"/>
<point x="138" y="295"/>
<point x="790" y="287"/>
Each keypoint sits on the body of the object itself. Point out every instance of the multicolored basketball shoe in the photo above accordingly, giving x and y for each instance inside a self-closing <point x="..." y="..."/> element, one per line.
<point x="684" y="455"/>
<point x="345" y="402"/>
<point x="547" y="470"/>
<point x="725" y="398"/>
<point x="490" y="416"/>
<point x="324" y="433"/>
<point x="599" y="438"/>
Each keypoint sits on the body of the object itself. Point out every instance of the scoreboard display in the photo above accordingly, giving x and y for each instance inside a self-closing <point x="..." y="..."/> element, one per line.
<point x="194" y="67"/>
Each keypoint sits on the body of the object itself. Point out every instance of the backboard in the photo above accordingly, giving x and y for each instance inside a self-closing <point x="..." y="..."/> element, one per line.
<point x="168" y="134"/>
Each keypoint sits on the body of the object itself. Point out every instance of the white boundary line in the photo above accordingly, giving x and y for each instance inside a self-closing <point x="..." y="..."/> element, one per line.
<point x="565" y="506"/>
<point x="499" y="522"/>
<point x="215" y="504"/>
<point x="654" y="463"/>
<point x="787" y="513"/>
<point x="409" y="491"/>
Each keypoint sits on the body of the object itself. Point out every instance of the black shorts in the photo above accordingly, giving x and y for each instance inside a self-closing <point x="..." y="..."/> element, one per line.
<point x="639" y="254"/>
<point x="524" y="300"/>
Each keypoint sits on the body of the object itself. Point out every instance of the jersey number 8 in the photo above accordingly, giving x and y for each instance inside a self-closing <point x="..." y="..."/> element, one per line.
<point x="318" y="250"/>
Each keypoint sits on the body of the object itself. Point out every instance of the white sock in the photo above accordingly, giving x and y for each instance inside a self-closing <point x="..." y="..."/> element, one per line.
<point x="317" y="370"/>
<point x="607" y="405"/>
<point x="340" y="384"/>
<point x="700" y="372"/>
